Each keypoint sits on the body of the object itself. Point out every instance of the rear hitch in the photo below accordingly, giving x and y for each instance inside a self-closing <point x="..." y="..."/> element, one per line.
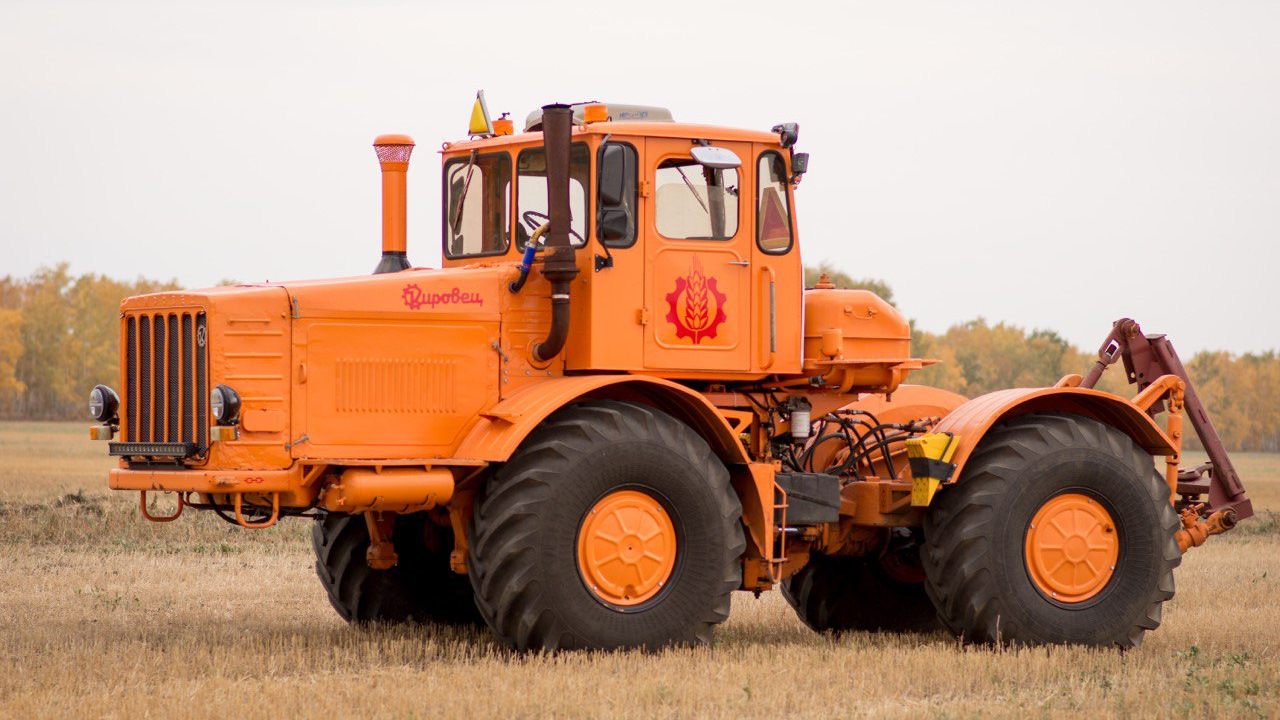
<point x="1195" y="531"/>
<point x="1151" y="363"/>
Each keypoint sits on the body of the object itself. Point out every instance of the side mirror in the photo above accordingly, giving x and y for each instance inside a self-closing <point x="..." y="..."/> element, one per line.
<point x="614" y="225"/>
<point x="788" y="133"/>
<point x="716" y="158"/>
<point x="613" y="175"/>
<point x="799" y="164"/>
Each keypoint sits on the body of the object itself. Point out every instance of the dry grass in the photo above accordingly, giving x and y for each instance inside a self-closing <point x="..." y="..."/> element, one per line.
<point x="1260" y="473"/>
<point x="106" y="616"/>
<point x="41" y="460"/>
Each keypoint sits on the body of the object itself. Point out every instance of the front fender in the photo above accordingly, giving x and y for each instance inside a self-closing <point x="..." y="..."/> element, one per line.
<point x="972" y="420"/>
<point x="502" y="429"/>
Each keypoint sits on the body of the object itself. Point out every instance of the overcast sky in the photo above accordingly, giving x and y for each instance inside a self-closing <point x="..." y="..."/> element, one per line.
<point x="1052" y="165"/>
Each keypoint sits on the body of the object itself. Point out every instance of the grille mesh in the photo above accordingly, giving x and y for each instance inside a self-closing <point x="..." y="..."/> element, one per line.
<point x="157" y="378"/>
<point x="188" y="370"/>
<point x="166" y="378"/>
<point x="143" y="382"/>
<point x="131" y="372"/>
<point x="174" y="375"/>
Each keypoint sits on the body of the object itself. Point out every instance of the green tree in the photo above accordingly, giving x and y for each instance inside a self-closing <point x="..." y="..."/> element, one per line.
<point x="841" y="279"/>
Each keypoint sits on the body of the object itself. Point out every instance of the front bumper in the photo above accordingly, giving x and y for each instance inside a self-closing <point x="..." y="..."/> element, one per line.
<point x="294" y="487"/>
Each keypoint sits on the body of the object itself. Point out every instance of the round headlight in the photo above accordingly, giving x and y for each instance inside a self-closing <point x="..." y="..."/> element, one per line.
<point x="103" y="403"/>
<point x="225" y="404"/>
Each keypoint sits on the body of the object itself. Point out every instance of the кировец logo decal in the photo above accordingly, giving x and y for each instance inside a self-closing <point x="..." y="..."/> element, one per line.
<point x="415" y="298"/>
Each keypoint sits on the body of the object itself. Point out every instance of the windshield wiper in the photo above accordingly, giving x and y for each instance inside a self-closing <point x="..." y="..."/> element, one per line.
<point x="693" y="190"/>
<point x="462" y="199"/>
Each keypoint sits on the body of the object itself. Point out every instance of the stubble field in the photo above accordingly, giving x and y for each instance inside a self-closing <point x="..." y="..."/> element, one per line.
<point x="105" y="615"/>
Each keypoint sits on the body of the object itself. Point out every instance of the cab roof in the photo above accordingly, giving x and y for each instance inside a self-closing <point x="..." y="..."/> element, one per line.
<point x="626" y="129"/>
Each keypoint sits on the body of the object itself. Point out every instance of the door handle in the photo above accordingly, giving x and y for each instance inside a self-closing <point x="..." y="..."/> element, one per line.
<point x="740" y="263"/>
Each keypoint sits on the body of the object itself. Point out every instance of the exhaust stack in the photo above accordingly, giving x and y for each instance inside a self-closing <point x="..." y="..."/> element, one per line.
<point x="393" y="155"/>
<point x="560" y="267"/>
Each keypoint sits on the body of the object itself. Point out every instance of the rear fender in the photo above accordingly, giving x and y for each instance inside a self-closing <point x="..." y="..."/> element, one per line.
<point x="972" y="420"/>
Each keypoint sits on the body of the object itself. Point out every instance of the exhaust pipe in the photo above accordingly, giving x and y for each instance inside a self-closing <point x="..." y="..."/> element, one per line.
<point x="393" y="155"/>
<point x="560" y="266"/>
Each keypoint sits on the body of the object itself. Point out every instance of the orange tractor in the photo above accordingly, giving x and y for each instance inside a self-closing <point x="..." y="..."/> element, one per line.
<point x="615" y="404"/>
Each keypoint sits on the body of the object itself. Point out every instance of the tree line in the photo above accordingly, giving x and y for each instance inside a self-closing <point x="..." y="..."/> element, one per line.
<point x="60" y="333"/>
<point x="1242" y="392"/>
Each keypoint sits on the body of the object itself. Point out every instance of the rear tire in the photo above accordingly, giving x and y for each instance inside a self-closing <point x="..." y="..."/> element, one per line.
<point x="421" y="587"/>
<point x="985" y="572"/>
<point x="838" y="593"/>
<point x="527" y="549"/>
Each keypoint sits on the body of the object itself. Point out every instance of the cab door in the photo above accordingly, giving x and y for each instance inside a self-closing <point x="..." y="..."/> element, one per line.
<point x="777" y="275"/>
<point x="698" y="257"/>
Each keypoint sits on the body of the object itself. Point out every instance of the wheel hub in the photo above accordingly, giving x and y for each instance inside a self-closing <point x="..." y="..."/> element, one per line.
<point x="626" y="548"/>
<point x="1071" y="548"/>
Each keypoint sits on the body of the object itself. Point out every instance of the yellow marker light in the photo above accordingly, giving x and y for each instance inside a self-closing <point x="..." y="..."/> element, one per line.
<point x="930" y="459"/>
<point x="597" y="112"/>
<point x="101" y="432"/>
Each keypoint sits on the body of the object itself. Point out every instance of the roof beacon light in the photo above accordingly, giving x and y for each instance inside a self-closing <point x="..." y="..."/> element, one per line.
<point x="393" y="155"/>
<point x="503" y="125"/>
<point x="596" y="112"/>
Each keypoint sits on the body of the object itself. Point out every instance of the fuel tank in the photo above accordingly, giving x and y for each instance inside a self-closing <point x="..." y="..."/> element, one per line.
<point x="855" y="340"/>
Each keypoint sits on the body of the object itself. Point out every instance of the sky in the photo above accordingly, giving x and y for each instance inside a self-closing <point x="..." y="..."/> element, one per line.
<point x="1045" y="164"/>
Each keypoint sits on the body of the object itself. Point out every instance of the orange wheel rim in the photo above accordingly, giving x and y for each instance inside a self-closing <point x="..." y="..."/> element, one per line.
<point x="1072" y="547"/>
<point x="626" y="548"/>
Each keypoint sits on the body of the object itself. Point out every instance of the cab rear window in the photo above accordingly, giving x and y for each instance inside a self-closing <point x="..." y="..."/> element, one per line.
<point x="773" y="212"/>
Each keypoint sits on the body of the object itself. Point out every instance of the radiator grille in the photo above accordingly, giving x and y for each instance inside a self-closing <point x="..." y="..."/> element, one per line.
<point x="166" y="379"/>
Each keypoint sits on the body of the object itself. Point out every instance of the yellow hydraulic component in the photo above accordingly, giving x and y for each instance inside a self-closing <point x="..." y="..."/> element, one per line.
<point x="930" y="460"/>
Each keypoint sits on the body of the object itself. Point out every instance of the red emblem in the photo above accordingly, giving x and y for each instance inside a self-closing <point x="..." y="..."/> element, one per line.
<point x="696" y="306"/>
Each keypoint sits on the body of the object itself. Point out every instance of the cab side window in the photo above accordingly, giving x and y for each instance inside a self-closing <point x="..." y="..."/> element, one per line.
<point x="773" y="212"/>
<point x="695" y="202"/>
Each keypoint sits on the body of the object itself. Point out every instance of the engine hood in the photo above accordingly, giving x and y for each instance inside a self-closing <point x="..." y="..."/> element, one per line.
<point x="473" y="291"/>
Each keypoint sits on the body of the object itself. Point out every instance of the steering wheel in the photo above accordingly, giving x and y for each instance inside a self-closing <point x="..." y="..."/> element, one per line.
<point x="536" y="238"/>
<point x="535" y="220"/>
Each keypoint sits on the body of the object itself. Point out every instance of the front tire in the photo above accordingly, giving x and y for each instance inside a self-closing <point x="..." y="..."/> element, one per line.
<point x="838" y="593"/>
<point x="1059" y="531"/>
<point x="420" y="588"/>
<point x="613" y="526"/>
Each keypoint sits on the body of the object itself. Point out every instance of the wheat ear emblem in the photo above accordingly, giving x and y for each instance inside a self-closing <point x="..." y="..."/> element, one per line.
<point x="696" y="306"/>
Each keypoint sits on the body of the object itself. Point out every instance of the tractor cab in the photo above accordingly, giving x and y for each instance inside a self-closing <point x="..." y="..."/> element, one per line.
<point x="685" y="238"/>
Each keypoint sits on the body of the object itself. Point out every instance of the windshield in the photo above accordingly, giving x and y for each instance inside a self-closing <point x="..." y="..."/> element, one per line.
<point x="477" y="200"/>
<point x="531" y="192"/>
